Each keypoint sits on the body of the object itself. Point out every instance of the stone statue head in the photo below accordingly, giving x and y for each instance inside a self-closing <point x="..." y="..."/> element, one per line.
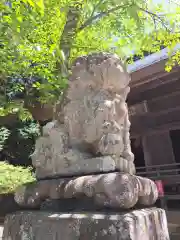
<point x="98" y="71"/>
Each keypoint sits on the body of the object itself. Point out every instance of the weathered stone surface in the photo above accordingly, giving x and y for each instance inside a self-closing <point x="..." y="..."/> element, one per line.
<point x="148" y="193"/>
<point x="93" y="134"/>
<point x="145" y="224"/>
<point x="1" y="231"/>
<point x="115" y="190"/>
<point x="66" y="205"/>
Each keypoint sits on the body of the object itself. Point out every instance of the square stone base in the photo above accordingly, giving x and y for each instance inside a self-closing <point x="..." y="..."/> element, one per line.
<point x="144" y="224"/>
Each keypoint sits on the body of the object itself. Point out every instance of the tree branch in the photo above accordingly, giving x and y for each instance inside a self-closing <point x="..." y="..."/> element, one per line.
<point x="95" y="8"/>
<point x="154" y="17"/>
<point x="175" y="2"/>
<point x="100" y="15"/>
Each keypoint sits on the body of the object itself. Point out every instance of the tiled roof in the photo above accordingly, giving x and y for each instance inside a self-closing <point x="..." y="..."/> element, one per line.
<point x="151" y="59"/>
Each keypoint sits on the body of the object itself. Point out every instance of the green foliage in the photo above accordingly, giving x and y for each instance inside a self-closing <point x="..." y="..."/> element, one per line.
<point x="41" y="38"/>
<point x="4" y="134"/>
<point x="17" y="142"/>
<point x="32" y="131"/>
<point x="11" y="177"/>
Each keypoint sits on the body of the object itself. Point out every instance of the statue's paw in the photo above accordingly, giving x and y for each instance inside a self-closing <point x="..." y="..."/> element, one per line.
<point x="123" y="165"/>
<point x="32" y="194"/>
<point x="148" y="193"/>
<point x="26" y="196"/>
<point x="118" y="190"/>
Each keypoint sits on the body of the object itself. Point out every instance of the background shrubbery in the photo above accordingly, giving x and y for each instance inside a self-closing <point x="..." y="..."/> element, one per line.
<point x="11" y="177"/>
<point x="17" y="142"/>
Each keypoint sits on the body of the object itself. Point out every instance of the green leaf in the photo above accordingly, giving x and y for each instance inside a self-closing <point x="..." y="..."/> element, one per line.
<point x="40" y="5"/>
<point x="31" y="3"/>
<point x="32" y="46"/>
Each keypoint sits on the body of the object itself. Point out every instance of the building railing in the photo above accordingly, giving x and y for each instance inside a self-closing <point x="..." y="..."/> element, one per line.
<point x="160" y="172"/>
<point x="169" y="174"/>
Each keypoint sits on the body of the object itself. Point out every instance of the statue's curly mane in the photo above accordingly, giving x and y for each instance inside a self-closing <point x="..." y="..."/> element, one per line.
<point x="95" y="58"/>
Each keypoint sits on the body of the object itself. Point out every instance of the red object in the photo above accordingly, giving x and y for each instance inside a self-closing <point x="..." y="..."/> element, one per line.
<point x="160" y="187"/>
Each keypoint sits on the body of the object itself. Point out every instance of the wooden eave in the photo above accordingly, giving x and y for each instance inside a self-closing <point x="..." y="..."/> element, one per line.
<point x="149" y="73"/>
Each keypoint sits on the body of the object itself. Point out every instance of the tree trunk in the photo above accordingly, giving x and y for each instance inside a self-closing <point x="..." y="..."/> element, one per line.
<point x="67" y="38"/>
<point x="70" y="31"/>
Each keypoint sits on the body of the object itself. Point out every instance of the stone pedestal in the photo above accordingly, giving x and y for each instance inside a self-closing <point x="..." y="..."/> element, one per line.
<point x="145" y="224"/>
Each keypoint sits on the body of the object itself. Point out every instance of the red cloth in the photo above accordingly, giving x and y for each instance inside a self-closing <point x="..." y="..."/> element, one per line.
<point x="160" y="187"/>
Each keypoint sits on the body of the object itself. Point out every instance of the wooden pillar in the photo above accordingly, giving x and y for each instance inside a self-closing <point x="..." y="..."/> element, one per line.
<point x="158" y="149"/>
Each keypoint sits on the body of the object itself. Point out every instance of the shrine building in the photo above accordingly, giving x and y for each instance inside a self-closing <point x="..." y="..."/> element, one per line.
<point x="154" y="107"/>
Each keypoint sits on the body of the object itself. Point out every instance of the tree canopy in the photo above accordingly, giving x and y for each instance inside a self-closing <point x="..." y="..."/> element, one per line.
<point x="40" y="38"/>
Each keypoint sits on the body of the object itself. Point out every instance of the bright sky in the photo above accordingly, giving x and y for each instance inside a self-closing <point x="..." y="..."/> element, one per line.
<point x="167" y="4"/>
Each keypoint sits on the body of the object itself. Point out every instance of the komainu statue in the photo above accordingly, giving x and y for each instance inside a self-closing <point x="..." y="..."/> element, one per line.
<point x="93" y="135"/>
<point x="86" y="150"/>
